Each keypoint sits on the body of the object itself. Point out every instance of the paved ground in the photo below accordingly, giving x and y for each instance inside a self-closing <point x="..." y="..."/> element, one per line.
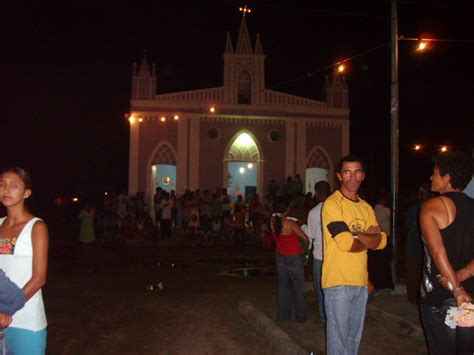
<point x="97" y="302"/>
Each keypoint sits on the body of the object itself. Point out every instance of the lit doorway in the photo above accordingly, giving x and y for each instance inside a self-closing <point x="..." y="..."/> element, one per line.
<point x="242" y="167"/>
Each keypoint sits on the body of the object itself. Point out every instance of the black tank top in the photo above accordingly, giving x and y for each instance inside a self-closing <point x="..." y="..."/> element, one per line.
<point x="458" y="239"/>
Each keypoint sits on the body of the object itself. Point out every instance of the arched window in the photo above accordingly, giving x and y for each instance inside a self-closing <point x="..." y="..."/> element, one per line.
<point x="318" y="160"/>
<point x="244" y="148"/>
<point x="164" y="155"/>
<point x="244" y="88"/>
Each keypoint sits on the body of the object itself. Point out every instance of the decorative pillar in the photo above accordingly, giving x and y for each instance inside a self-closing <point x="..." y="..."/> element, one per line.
<point x="194" y="125"/>
<point x="133" y="173"/>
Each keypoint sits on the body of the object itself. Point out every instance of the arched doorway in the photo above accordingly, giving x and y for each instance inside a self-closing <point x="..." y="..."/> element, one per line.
<point x="163" y="168"/>
<point x="243" y="166"/>
<point x="317" y="168"/>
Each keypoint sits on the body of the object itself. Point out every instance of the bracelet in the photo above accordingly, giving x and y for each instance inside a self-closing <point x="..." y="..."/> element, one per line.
<point x="457" y="289"/>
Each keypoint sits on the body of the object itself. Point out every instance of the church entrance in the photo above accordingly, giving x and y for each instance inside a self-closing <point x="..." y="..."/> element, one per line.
<point x="241" y="167"/>
<point x="163" y="170"/>
<point x="165" y="176"/>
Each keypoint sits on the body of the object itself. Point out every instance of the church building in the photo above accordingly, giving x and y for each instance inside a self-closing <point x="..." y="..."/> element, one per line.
<point x="239" y="135"/>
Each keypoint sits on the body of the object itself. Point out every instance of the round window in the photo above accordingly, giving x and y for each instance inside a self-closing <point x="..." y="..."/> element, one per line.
<point x="213" y="133"/>
<point x="274" y="135"/>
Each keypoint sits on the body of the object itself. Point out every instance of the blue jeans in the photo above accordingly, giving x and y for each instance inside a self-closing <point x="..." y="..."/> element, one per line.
<point x="317" y="265"/>
<point x="291" y="268"/>
<point x="345" y="314"/>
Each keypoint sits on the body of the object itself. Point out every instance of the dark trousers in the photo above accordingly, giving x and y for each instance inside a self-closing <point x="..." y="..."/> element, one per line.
<point x="442" y="339"/>
<point x="165" y="228"/>
<point x="414" y="274"/>
<point x="291" y="268"/>
<point x="380" y="272"/>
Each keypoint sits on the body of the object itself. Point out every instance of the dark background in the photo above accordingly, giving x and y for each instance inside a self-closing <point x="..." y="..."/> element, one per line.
<point x="67" y="75"/>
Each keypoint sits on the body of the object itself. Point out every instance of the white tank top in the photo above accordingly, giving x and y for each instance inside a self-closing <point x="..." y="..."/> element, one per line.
<point x="16" y="259"/>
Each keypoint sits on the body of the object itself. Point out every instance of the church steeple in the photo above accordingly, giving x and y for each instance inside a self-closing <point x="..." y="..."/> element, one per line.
<point x="144" y="69"/>
<point x="143" y="82"/>
<point x="258" y="46"/>
<point x="336" y="91"/>
<point x="229" y="49"/>
<point x="243" y="41"/>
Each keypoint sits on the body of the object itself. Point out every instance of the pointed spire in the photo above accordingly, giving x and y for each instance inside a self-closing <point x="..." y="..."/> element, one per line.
<point x="144" y="69"/>
<point x="243" y="42"/>
<point x="258" y="45"/>
<point x="228" y="45"/>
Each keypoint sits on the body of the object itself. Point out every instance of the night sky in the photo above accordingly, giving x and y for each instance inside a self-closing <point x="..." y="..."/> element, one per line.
<point x="67" y="76"/>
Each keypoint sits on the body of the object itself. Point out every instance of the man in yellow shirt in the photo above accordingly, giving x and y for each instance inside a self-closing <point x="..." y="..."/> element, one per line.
<point x="349" y="229"/>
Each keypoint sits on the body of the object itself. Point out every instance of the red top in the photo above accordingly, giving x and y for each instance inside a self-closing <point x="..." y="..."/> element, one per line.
<point x="288" y="244"/>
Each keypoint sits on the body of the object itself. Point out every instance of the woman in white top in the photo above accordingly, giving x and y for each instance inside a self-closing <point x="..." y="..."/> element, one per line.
<point x="24" y="258"/>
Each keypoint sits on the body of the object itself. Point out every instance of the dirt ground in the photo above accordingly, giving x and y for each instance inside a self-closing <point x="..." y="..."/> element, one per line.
<point x="97" y="302"/>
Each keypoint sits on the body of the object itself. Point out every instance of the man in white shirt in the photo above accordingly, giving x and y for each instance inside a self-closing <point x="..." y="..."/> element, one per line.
<point x="321" y="192"/>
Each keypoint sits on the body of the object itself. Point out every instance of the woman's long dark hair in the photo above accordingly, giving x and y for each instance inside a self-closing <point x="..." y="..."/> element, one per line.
<point x="280" y="206"/>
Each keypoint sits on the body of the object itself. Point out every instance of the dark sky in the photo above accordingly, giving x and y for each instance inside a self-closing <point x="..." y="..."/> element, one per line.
<point x="66" y="75"/>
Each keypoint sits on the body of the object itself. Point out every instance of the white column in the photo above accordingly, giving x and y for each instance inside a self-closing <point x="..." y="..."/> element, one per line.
<point x="133" y="159"/>
<point x="290" y="148"/>
<point x="182" y="158"/>
<point x="301" y="148"/>
<point x="194" y="153"/>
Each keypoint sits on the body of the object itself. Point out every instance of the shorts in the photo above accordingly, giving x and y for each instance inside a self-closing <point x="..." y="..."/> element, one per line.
<point x="26" y="342"/>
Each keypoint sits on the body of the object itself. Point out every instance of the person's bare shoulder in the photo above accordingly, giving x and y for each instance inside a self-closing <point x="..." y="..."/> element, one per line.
<point x="435" y="208"/>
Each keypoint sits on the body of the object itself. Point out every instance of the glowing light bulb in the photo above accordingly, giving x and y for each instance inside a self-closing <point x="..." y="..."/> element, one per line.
<point x="241" y="170"/>
<point x="163" y="119"/>
<point x="176" y="117"/>
<point x="131" y="119"/>
<point x="250" y="165"/>
<point x="417" y="147"/>
<point x="212" y="109"/>
<point x="421" y="46"/>
<point x="444" y="148"/>
<point x="341" y="68"/>
<point x="140" y="119"/>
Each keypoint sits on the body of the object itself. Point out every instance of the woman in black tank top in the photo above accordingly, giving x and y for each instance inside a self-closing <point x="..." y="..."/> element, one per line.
<point x="447" y="224"/>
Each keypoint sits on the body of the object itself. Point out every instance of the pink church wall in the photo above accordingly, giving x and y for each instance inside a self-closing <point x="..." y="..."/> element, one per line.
<point x="212" y="152"/>
<point x="150" y="135"/>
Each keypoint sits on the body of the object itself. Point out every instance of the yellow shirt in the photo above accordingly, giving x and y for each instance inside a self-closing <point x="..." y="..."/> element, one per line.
<point x="341" y="218"/>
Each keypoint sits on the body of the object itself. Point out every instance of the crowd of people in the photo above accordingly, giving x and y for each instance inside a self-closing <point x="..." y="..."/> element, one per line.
<point x="349" y="239"/>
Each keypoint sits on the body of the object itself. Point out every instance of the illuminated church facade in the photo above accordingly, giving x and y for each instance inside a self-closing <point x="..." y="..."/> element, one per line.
<point x="239" y="135"/>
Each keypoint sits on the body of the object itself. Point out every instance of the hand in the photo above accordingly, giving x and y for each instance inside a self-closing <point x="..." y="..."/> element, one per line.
<point x="463" y="274"/>
<point x="5" y="320"/>
<point x="462" y="296"/>
<point x="373" y="230"/>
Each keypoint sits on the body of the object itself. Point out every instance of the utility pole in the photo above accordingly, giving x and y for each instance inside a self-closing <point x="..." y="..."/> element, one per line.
<point x="394" y="135"/>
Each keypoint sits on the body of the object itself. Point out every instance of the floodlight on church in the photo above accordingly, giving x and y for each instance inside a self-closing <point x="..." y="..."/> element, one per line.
<point x="131" y="119"/>
<point x="417" y="147"/>
<point x="212" y="109"/>
<point x="163" y="119"/>
<point x="244" y="140"/>
<point x="176" y="117"/>
<point x="140" y="119"/>
<point x="444" y="149"/>
<point x="340" y="68"/>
